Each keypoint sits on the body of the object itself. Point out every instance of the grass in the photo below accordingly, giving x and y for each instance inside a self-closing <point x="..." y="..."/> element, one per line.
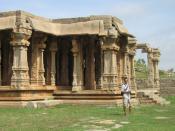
<point x="86" y="117"/>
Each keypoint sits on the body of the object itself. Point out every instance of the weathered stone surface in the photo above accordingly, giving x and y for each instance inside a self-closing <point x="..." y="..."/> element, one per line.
<point x="7" y="22"/>
<point x="167" y="87"/>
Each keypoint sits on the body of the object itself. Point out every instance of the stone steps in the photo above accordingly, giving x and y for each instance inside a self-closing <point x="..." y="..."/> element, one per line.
<point x="151" y="96"/>
<point x="88" y="95"/>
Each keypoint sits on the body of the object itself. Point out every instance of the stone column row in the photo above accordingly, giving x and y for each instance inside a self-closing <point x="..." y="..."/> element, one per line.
<point x="20" y="70"/>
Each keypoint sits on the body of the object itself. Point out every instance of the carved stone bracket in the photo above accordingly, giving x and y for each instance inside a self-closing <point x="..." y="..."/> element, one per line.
<point x="110" y="44"/>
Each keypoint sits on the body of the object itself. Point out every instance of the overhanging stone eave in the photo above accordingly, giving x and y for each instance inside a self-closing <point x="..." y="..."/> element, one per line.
<point x="7" y="23"/>
<point x="94" y="27"/>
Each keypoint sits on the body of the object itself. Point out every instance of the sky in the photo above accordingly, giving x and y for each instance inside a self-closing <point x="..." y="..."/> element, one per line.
<point x="150" y="21"/>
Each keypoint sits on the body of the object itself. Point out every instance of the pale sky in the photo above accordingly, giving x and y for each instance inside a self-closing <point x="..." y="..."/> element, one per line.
<point x="151" y="21"/>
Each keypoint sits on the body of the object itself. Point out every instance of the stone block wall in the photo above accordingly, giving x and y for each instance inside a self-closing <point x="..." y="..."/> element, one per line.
<point x="141" y="83"/>
<point x="167" y="87"/>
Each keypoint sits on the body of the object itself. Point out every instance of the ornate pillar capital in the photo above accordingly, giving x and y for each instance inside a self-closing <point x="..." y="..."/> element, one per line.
<point x="53" y="45"/>
<point x="19" y="39"/>
<point x="109" y="43"/>
<point x="74" y="49"/>
<point x="40" y="41"/>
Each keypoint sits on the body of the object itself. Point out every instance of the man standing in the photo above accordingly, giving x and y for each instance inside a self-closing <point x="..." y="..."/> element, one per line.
<point x="126" y="93"/>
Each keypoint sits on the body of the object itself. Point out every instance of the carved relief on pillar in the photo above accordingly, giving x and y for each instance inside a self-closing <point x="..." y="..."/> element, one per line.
<point x="53" y="49"/>
<point x="156" y="57"/>
<point x="37" y="69"/>
<point x="20" y="76"/>
<point x="132" y="50"/>
<point x="90" y="81"/>
<point x="132" y="73"/>
<point x="150" y="68"/>
<point x="41" y="47"/>
<point x="75" y="51"/>
<point x="110" y="49"/>
<point x="99" y="64"/>
<point x="77" y="83"/>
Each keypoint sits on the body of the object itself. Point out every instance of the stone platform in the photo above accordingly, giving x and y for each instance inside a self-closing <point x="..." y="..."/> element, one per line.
<point x="32" y="93"/>
<point x="89" y="95"/>
<point x="46" y="97"/>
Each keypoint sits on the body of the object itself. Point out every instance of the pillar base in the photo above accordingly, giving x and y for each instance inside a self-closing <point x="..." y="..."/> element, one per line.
<point x="76" y="88"/>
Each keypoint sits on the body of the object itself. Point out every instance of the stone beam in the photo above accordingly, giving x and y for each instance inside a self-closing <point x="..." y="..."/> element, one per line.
<point x="94" y="27"/>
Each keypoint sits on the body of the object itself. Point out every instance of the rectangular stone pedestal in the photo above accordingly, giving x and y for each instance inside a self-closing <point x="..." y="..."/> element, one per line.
<point x="7" y="93"/>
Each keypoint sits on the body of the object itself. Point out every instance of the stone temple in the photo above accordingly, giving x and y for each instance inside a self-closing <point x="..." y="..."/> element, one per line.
<point x="80" y="58"/>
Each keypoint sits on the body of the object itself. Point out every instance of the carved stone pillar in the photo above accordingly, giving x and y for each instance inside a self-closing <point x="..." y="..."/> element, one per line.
<point x="77" y="66"/>
<point x="53" y="49"/>
<point x="41" y="47"/>
<point x="37" y="69"/>
<point x="156" y="74"/>
<point x="125" y="63"/>
<point x="20" y="76"/>
<point x="110" y="50"/>
<point x="99" y="64"/>
<point x="156" y="56"/>
<point x="129" y="68"/>
<point x="34" y="63"/>
<point x="150" y="69"/>
<point x="131" y="73"/>
<point x="64" y="67"/>
<point x="133" y="82"/>
<point x="90" y="82"/>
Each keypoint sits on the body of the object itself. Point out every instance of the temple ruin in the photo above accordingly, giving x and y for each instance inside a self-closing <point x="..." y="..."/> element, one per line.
<point x="41" y="57"/>
<point x="153" y="57"/>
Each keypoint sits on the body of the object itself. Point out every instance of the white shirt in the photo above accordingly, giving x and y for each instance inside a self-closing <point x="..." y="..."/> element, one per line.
<point x="125" y="88"/>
